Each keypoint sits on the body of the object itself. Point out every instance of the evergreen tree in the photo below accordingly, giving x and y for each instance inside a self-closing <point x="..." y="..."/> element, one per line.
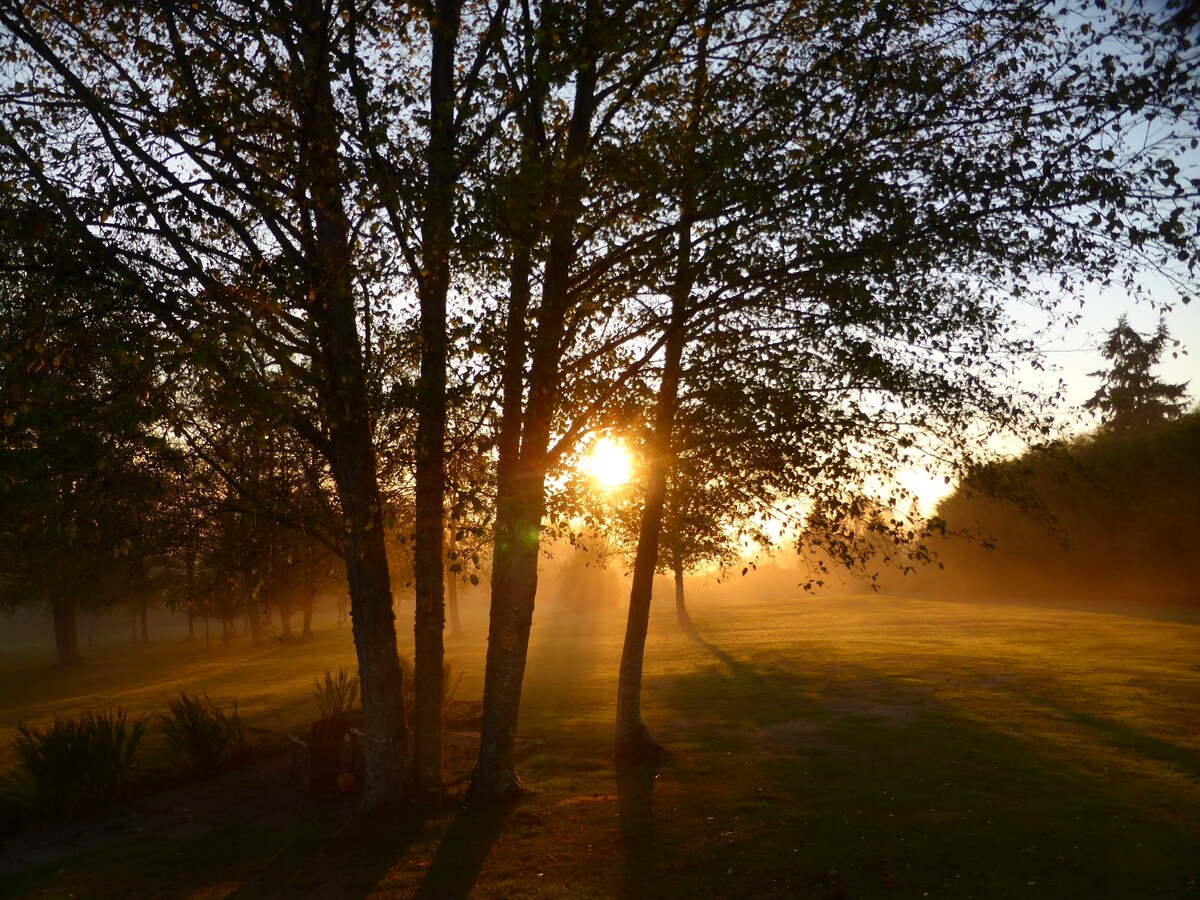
<point x="1131" y="397"/>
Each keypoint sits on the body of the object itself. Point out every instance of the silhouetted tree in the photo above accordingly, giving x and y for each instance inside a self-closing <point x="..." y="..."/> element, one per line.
<point x="1131" y="397"/>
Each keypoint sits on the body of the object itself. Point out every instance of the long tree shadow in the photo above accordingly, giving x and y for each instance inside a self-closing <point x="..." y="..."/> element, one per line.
<point x="740" y="670"/>
<point x="347" y="860"/>
<point x="463" y="851"/>
<point x="639" y="851"/>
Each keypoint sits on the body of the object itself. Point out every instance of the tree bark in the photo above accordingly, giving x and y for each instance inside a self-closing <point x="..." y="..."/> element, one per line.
<point x="433" y="285"/>
<point x="66" y="639"/>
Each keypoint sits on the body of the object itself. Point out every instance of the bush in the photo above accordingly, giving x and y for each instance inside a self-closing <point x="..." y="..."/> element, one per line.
<point x="336" y="695"/>
<point x="201" y="737"/>
<point x="78" y="764"/>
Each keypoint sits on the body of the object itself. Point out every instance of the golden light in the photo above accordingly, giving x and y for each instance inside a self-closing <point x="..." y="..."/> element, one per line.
<point x="609" y="464"/>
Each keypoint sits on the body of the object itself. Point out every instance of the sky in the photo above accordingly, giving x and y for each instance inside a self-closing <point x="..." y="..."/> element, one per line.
<point x="1076" y="352"/>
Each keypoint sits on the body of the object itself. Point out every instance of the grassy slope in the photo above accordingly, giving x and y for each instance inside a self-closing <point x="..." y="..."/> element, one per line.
<point x="833" y="747"/>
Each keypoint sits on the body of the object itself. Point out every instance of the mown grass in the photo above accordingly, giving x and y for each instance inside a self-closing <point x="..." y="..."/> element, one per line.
<point x="833" y="747"/>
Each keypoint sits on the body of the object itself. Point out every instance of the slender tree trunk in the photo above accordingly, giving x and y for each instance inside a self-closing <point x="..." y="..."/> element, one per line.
<point x="306" y="608"/>
<point x="350" y="446"/>
<point x="633" y="741"/>
<point x="456" y="633"/>
<point x="66" y="640"/>
<point x="681" y="614"/>
<point x="142" y="623"/>
<point x="190" y="585"/>
<point x="254" y="613"/>
<point x="428" y="568"/>
<point x="285" y="619"/>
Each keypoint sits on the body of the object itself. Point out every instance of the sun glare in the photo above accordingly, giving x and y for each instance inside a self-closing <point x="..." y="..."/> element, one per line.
<point x="609" y="463"/>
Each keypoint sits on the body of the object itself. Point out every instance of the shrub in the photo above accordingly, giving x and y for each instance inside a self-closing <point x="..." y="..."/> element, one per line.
<point x="76" y="764"/>
<point x="336" y="695"/>
<point x="202" y="738"/>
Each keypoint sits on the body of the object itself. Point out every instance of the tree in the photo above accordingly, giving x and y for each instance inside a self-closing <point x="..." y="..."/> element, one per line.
<point x="84" y="472"/>
<point x="1131" y="397"/>
<point x="223" y="216"/>
<point x="886" y="284"/>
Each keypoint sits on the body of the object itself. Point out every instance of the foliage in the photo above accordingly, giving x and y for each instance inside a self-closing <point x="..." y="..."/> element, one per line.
<point x="77" y="764"/>
<point x="337" y="693"/>
<point x="202" y="738"/>
<point x="1108" y="517"/>
<point x="1131" y="397"/>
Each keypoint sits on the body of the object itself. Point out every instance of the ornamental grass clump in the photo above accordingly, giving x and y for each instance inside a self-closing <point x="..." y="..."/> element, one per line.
<point x="79" y="764"/>
<point x="336" y="694"/>
<point x="201" y="737"/>
<point x="450" y="679"/>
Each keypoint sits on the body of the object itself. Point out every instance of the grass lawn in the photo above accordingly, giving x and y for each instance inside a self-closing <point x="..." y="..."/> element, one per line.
<point x="830" y="747"/>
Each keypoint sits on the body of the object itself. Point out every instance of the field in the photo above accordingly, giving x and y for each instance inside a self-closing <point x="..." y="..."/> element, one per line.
<point x="821" y="747"/>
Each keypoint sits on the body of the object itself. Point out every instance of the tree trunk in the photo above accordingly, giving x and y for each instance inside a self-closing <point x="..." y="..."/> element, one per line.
<point x="191" y="614"/>
<point x="350" y="446"/>
<point x="141" y="617"/>
<point x="514" y="584"/>
<point x="456" y="629"/>
<point x="524" y="440"/>
<point x="681" y="614"/>
<point x="306" y="608"/>
<point x="254" y="614"/>
<point x="66" y="640"/>
<point x="428" y="568"/>
<point x="380" y="679"/>
<point x="633" y="741"/>
<point x="285" y="619"/>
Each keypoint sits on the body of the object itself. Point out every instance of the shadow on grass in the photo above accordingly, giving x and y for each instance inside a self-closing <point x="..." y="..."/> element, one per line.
<point x="739" y="669"/>
<point x="635" y="810"/>
<point x="879" y="784"/>
<point x="345" y="861"/>
<point x="463" y="851"/>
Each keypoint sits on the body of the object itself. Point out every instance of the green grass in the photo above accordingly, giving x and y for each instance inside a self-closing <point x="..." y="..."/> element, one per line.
<point x="833" y="747"/>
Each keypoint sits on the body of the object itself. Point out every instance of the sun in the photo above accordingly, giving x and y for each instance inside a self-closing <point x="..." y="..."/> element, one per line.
<point x="609" y="463"/>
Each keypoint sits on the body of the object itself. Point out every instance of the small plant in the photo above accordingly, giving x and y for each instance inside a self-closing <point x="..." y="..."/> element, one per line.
<point x="202" y="738"/>
<point x="450" y="679"/>
<point x="77" y="764"/>
<point x="114" y="741"/>
<point x="336" y="695"/>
